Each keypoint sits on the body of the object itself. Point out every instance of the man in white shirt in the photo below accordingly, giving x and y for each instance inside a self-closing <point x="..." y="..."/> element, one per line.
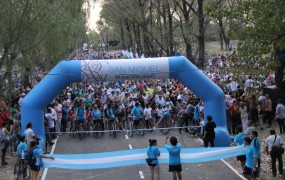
<point x="30" y="135"/>
<point x="271" y="142"/>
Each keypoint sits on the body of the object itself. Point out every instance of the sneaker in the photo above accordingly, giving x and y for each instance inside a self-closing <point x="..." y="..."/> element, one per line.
<point x="153" y="127"/>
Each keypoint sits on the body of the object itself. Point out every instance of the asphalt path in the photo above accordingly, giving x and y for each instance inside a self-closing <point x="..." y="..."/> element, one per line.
<point x="67" y="145"/>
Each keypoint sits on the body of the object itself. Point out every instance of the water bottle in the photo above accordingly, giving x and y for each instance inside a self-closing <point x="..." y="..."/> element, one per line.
<point x="23" y="155"/>
<point x="37" y="161"/>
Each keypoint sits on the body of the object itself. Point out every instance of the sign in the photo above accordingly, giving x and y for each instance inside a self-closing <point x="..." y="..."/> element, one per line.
<point x="124" y="69"/>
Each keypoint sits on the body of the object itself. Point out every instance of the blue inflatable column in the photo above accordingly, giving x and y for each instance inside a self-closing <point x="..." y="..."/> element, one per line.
<point x="33" y="105"/>
<point x="211" y="94"/>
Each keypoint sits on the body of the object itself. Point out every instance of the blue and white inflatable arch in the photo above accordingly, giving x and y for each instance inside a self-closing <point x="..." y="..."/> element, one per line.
<point x="178" y="67"/>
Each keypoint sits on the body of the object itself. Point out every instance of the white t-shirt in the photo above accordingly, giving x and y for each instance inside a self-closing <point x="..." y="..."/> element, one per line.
<point x="50" y="120"/>
<point x="29" y="135"/>
<point x="147" y="113"/>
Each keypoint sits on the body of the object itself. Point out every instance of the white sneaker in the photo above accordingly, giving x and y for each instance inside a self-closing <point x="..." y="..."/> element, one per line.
<point x="154" y="128"/>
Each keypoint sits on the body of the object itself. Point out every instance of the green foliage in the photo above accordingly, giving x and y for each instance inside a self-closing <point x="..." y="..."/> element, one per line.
<point x="39" y="33"/>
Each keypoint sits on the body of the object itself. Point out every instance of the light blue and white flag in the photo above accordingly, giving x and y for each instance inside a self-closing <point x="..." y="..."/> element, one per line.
<point x="137" y="156"/>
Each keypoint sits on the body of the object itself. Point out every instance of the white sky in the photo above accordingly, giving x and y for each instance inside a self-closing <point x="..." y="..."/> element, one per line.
<point x="95" y="10"/>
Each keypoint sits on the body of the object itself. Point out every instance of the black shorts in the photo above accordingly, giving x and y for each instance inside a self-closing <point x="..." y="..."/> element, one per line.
<point x="35" y="168"/>
<point x="255" y="174"/>
<point x="247" y="171"/>
<point x="137" y="122"/>
<point x="241" y="158"/>
<point x="175" y="168"/>
<point x="152" y="165"/>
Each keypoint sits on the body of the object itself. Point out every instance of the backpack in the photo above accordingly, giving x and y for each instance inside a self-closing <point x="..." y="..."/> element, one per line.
<point x="31" y="158"/>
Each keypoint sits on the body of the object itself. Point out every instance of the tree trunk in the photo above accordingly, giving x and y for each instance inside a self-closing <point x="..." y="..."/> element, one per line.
<point x="170" y="31"/>
<point x="223" y="33"/>
<point x="221" y="41"/>
<point x="129" y="34"/>
<point x="122" y="36"/>
<point x="201" y="36"/>
<point x="279" y="74"/>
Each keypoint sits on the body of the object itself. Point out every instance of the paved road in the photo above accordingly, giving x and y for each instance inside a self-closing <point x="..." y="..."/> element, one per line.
<point x="215" y="170"/>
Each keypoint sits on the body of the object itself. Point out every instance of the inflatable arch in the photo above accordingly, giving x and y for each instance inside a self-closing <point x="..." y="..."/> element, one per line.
<point x="178" y="67"/>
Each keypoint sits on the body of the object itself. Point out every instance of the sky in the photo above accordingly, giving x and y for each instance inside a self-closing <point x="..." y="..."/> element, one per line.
<point x="94" y="14"/>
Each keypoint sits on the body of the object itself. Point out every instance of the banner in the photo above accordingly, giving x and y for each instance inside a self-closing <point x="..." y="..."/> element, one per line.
<point x="136" y="157"/>
<point x="119" y="70"/>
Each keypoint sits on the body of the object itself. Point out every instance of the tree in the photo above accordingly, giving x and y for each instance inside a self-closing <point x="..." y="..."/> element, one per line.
<point x="37" y="33"/>
<point x="262" y="33"/>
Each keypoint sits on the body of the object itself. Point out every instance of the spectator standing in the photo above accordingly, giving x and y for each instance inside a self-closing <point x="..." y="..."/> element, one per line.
<point x="153" y="153"/>
<point x="174" y="157"/>
<point x="268" y="111"/>
<point x="58" y="109"/>
<point x="239" y="140"/>
<point x="253" y="109"/>
<point x="261" y="112"/>
<point x="271" y="141"/>
<point x="209" y="133"/>
<point x="38" y="154"/>
<point x="6" y="130"/>
<point x="280" y="115"/>
<point x="255" y="143"/>
<point x="243" y="115"/>
<point x="250" y="129"/>
<point x="30" y="135"/>
<point x="251" y="159"/>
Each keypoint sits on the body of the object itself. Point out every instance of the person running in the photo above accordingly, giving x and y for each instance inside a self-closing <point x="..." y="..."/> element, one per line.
<point x="174" y="157"/>
<point x="153" y="153"/>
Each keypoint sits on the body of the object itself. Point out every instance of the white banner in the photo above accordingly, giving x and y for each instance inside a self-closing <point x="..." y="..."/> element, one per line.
<point x="124" y="69"/>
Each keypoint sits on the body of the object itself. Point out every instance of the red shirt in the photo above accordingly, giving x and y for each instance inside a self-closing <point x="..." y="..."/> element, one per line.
<point x="4" y="117"/>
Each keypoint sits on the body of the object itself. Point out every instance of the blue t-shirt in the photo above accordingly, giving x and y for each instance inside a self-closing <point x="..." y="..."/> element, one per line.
<point x="153" y="152"/>
<point x="256" y="146"/>
<point x="96" y="114"/>
<point x="239" y="138"/>
<point x="80" y="113"/>
<point x="250" y="153"/>
<point x="174" y="154"/>
<point x="37" y="153"/>
<point x="22" y="147"/>
<point x="136" y="111"/>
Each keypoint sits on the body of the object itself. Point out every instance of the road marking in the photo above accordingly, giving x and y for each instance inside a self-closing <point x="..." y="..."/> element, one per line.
<point x="52" y="150"/>
<point x="141" y="174"/>
<point x="127" y="137"/>
<point x="227" y="164"/>
<point x="130" y="146"/>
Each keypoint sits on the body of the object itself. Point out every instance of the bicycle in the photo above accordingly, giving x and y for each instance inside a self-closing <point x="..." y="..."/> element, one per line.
<point x="72" y="129"/>
<point x="80" y="129"/>
<point x="97" y="127"/>
<point x="165" y="126"/>
<point x="139" y="128"/>
<point x="22" y="170"/>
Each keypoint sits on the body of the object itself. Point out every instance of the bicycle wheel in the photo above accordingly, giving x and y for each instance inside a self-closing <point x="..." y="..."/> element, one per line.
<point x="97" y="127"/>
<point x="88" y="129"/>
<point x="142" y="128"/>
<point x="150" y="124"/>
<point x="165" y="127"/>
<point x="18" y="170"/>
<point x="114" y="130"/>
<point x="26" y="170"/>
<point x="131" y="132"/>
<point x="80" y="133"/>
